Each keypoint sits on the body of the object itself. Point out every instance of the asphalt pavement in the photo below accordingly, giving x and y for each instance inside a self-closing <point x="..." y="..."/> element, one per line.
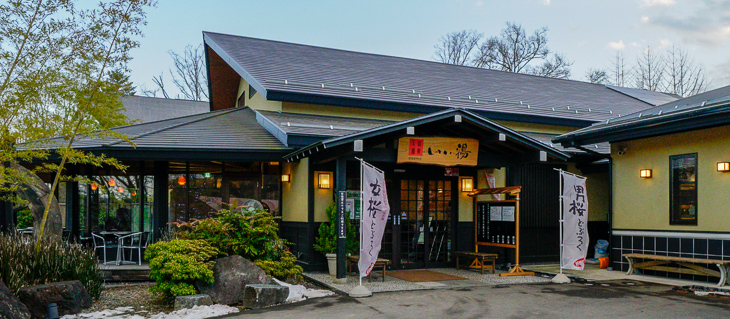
<point x="600" y="299"/>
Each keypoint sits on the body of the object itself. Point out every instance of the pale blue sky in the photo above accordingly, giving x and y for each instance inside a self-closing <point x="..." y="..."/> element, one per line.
<point x="588" y="32"/>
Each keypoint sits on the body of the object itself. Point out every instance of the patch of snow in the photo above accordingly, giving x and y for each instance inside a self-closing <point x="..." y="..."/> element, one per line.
<point x="301" y="293"/>
<point x="128" y="313"/>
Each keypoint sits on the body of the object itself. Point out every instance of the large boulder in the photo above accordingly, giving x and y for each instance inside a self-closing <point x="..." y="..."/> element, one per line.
<point x="231" y="275"/>
<point x="189" y="301"/>
<point x="10" y="305"/>
<point x="69" y="296"/>
<point x="260" y="296"/>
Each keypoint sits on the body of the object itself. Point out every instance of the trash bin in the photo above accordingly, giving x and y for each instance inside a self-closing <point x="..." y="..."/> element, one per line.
<point x="601" y="248"/>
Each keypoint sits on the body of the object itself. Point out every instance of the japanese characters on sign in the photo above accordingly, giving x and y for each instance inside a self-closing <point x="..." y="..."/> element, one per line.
<point x="374" y="218"/>
<point x="443" y="151"/>
<point x="341" y="205"/>
<point x="575" y="221"/>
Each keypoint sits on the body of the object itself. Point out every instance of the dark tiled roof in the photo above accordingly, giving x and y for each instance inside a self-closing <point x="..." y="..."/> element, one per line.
<point x="695" y="112"/>
<point x="141" y="109"/>
<point x="437" y="117"/>
<point x="653" y="98"/>
<point x="276" y="67"/>
<point x="228" y="130"/>
<point x="602" y="148"/>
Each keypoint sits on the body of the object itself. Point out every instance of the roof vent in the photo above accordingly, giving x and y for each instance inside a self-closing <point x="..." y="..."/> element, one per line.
<point x="703" y="102"/>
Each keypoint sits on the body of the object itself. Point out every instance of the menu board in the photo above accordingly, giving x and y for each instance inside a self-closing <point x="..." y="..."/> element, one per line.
<point x="508" y="213"/>
<point x="495" y="213"/>
<point x="495" y="222"/>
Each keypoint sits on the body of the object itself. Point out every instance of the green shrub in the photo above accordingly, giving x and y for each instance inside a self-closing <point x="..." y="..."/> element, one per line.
<point x="175" y="265"/>
<point x="25" y="218"/>
<point x="326" y="242"/>
<point x="252" y="235"/>
<point x="22" y="265"/>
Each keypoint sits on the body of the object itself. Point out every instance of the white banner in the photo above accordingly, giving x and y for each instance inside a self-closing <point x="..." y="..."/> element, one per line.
<point x="575" y="221"/>
<point x="374" y="217"/>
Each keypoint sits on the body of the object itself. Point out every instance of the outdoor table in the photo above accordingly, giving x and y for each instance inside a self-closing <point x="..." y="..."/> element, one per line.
<point x="480" y="260"/>
<point x="116" y="234"/>
<point x="380" y="263"/>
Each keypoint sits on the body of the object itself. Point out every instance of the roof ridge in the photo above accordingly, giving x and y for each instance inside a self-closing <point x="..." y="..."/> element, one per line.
<point x="404" y="58"/>
<point x="209" y="116"/>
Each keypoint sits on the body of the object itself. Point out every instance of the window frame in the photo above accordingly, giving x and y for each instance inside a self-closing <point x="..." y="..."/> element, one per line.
<point x="674" y="217"/>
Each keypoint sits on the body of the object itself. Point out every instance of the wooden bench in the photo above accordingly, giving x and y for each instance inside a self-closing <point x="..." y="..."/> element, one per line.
<point x="691" y="266"/>
<point x="480" y="260"/>
<point x="380" y="263"/>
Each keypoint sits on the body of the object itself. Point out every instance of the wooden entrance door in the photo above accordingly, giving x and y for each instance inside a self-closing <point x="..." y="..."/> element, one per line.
<point x="423" y="223"/>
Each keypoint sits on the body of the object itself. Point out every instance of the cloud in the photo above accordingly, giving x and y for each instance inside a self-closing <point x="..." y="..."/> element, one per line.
<point x="617" y="45"/>
<point x="545" y="2"/>
<point x="480" y="3"/>
<point x="651" y="3"/>
<point x="664" y="43"/>
<point x="645" y="19"/>
<point x="706" y="23"/>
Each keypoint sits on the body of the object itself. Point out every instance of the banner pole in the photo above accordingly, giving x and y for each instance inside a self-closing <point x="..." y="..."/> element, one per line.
<point x="562" y="220"/>
<point x="359" y="274"/>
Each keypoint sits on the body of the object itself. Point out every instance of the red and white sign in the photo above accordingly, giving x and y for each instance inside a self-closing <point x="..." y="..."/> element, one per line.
<point x="575" y="221"/>
<point x="374" y="217"/>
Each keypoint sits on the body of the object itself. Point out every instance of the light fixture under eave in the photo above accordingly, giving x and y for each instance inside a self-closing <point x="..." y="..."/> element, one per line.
<point x="324" y="181"/>
<point x="285" y="178"/>
<point x="723" y="166"/>
<point x="181" y="180"/>
<point x="467" y="184"/>
<point x="645" y="173"/>
<point x="94" y="186"/>
<point x="357" y="146"/>
<point x="120" y="189"/>
<point x="111" y="182"/>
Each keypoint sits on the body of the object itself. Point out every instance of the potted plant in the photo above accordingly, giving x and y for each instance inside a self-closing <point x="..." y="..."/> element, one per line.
<point x="326" y="242"/>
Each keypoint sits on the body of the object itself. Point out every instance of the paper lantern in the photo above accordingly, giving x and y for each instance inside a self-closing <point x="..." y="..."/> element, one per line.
<point x="181" y="180"/>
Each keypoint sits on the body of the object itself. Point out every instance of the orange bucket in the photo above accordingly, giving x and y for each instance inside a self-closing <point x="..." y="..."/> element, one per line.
<point x="603" y="262"/>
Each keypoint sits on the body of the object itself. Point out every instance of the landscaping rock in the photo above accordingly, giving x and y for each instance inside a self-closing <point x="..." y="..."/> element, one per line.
<point x="184" y="302"/>
<point x="70" y="297"/>
<point x="232" y="274"/>
<point x="260" y="296"/>
<point x="10" y="305"/>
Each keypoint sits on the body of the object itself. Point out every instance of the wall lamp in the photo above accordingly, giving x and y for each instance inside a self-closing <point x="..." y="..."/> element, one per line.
<point x="467" y="184"/>
<point x="285" y="178"/>
<point x="324" y="180"/>
<point x="723" y="167"/>
<point x="645" y="173"/>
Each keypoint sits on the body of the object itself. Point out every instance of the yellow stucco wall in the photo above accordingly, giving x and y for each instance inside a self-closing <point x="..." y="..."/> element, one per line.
<point x="295" y="202"/>
<point x="598" y="194"/>
<point x="538" y="128"/>
<point x="302" y="108"/>
<point x="256" y="102"/>
<point x="322" y="197"/>
<point x="644" y="203"/>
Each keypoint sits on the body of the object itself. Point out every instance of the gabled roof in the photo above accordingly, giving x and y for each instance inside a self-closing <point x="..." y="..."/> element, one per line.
<point x="297" y="130"/>
<point x="294" y="72"/>
<point x="232" y="131"/>
<point x="142" y="109"/>
<point x="400" y="127"/>
<point x="696" y="112"/>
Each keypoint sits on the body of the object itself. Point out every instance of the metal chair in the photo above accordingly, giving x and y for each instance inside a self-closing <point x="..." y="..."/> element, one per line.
<point x="133" y="241"/>
<point x="99" y="243"/>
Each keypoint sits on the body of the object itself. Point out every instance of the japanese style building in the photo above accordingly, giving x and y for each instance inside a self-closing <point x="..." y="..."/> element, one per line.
<point x="670" y="169"/>
<point x="287" y="123"/>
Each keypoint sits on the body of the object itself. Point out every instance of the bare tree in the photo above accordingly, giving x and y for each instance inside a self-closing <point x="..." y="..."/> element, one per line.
<point x="684" y="77"/>
<point x="514" y="51"/>
<point x="649" y="71"/>
<point x="189" y="77"/>
<point x="619" y="73"/>
<point x="597" y="76"/>
<point x="456" y="47"/>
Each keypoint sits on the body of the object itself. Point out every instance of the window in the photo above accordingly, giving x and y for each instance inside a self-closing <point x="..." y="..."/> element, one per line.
<point x="683" y="189"/>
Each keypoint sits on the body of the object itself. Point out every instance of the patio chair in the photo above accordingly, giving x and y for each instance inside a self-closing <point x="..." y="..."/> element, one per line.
<point x="138" y="241"/>
<point x="99" y="243"/>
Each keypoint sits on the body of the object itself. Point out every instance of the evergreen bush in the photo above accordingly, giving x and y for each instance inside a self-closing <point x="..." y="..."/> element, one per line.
<point x="326" y="242"/>
<point x="175" y="265"/>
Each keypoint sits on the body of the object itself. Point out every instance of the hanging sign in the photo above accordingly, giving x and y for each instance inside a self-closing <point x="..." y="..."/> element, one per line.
<point x="445" y="151"/>
<point x="575" y="221"/>
<point x="374" y="217"/>
<point x="341" y="205"/>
